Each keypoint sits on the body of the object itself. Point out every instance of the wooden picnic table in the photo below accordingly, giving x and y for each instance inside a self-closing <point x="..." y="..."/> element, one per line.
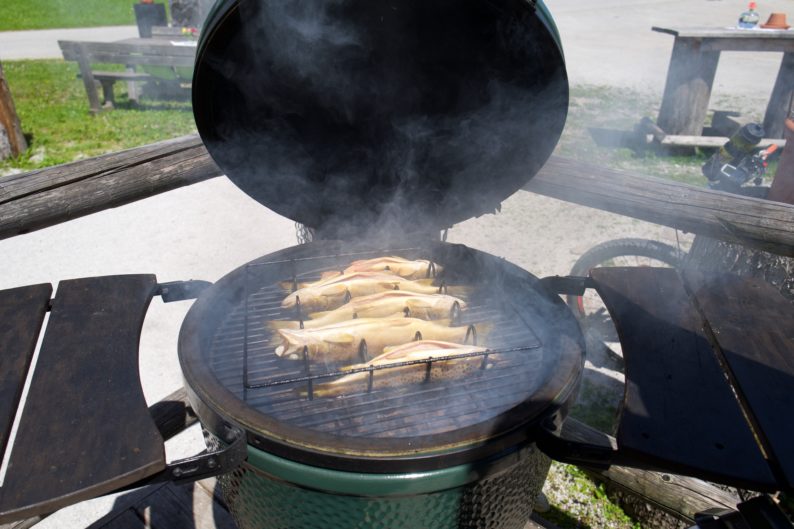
<point x="690" y="77"/>
<point x="177" y="55"/>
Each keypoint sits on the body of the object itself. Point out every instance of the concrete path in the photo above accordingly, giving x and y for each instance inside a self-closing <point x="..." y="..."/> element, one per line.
<point x="43" y="44"/>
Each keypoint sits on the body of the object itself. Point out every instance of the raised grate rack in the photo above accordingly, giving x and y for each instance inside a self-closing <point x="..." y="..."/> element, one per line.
<point x="242" y="358"/>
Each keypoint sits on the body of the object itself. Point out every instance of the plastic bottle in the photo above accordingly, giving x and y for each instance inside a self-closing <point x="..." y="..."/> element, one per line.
<point x="749" y="19"/>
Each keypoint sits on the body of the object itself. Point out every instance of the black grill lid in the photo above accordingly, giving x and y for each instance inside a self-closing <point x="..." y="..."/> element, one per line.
<point x="353" y="112"/>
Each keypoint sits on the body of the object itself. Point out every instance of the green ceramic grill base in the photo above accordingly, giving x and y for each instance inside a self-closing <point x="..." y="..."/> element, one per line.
<point x="302" y="497"/>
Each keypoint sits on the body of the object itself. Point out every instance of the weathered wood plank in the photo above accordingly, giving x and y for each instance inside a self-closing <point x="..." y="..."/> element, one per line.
<point x="91" y="341"/>
<point x="22" y="313"/>
<point x="9" y="121"/>
<point x="753" y="222"/>
<point x="679" y="412"/>
<point x="677" y="495"/>
<point x="680" y="496"/>
<point x="688" y="88"/>
<point x="710" y="142"/>
<point x="42" y="198"/>
<point x="38" y="199"/>
<point x="780" y="102"/>
<point x="753" y="327"/>
<point x="736" y="34"/>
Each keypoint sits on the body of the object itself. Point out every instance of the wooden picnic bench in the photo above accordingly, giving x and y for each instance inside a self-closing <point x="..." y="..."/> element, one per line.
<point x="132" y="53"/>
<point x="693" y="64"/>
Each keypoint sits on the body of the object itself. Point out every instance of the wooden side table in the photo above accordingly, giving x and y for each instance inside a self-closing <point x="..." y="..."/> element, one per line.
<point x="690" y="77"/>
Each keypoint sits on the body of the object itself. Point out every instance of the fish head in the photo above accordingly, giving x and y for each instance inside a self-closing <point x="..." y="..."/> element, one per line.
<point x="290" y="345"/>
<point x="291" y="301"/>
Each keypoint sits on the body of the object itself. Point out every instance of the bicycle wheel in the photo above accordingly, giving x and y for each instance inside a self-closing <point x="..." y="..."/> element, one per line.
<point x="619" y="252"/>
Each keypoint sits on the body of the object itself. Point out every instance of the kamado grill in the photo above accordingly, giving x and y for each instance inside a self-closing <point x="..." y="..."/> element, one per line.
<point x="376" y="125"/>
<point x="445" y="451"/>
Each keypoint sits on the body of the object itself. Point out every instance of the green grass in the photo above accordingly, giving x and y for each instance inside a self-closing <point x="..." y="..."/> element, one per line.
<point x="580" y="503"/>
<point x="53" y="108"/>
<point x="45" y="14"/>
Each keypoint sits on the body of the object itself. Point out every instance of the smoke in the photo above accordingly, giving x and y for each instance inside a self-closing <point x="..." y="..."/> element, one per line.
<point x="377" y="118"/>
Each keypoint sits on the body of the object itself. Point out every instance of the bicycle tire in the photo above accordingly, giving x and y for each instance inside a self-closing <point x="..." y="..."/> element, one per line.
<point x="605" y="252"/>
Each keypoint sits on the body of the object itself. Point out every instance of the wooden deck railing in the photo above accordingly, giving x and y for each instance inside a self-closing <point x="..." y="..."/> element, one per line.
<point x="38" y="199"/>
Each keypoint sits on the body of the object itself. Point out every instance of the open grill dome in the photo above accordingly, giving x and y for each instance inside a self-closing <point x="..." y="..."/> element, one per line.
<point x="345" y="114"/>
<point x="531" y="367"/>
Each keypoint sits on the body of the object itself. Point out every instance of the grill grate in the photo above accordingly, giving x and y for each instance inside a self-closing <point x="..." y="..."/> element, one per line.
<point x="242" y="359"/>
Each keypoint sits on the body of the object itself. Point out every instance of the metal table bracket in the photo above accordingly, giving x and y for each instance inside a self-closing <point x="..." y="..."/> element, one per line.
<point x="206" y="464"/>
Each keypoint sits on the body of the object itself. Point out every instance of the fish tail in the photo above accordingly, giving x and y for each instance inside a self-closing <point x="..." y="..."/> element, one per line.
<point x="317" y="392"/>
<point x="457" y="291"/>
<point x="275" y="325"/>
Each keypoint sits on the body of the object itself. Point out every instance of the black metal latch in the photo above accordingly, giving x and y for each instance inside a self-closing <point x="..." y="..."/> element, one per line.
<point x="181" y="290"/>
<point x="206" y="464"/>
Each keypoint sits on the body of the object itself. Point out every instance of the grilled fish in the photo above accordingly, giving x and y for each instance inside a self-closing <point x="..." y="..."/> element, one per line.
<point x="417" y="269"/>
<point x="380" y="305"/>
<point x="342" y="342"/>
<point x="406" y="375"/>
<point x="331" y="292"/>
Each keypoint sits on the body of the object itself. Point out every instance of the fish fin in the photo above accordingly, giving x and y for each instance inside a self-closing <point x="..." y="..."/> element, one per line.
<point x="341" y="338"/>
<point x="287" y="285"/>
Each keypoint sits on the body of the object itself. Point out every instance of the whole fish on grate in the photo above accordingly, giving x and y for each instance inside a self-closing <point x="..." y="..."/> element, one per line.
<point x="347" y="341"/>
<point x="409" y="269"/>
<point x="332" y="291"/>
<point x="402" y="375"/>
<point x="381" y="305"/>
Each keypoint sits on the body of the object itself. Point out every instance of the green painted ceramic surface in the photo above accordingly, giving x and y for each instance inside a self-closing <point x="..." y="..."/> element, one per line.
<point x="269" y="492"/>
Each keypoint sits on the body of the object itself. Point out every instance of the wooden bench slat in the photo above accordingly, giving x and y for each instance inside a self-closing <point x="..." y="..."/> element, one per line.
<point x="122" y="76"/>
<point x="22" y="312"/>
<point x="754" y="327"/>
<point x="85" y="428"/>
<point x="679" y="411"/>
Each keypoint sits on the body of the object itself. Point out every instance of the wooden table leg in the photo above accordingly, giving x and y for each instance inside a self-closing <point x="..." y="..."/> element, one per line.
<point x="88" y="80"/>
<point x="132" y="87"/>
<point x="107" y="93"/>
<point x="688" y="88"/>
<point x="778" y="108"/>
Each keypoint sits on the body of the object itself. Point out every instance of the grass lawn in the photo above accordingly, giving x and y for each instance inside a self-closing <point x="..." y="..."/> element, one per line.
<point x="45" y="14"/>
<point x="53" y="108"/>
